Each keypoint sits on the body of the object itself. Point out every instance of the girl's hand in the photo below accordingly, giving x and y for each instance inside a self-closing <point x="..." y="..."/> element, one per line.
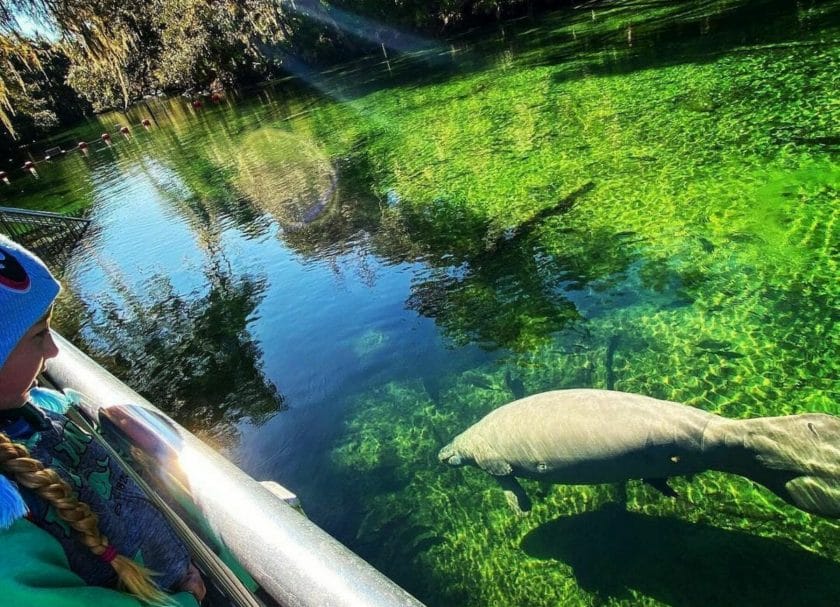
<point x="193" y="583"/>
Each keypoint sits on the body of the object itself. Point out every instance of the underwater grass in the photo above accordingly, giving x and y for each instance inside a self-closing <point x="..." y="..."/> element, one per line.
<point x="635" y="196"/>
<point x="702" y="266"/>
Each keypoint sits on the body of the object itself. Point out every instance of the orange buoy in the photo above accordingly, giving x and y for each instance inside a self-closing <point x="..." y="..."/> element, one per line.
<point x="106" y="138"/>
<point x="83" y="147"/>
<point x="5" y="178"/>
<point x="196" y="103"/>
<point x="215" y="98"/>
<point x="124" y="130"/>
<point x="146" y="123"/>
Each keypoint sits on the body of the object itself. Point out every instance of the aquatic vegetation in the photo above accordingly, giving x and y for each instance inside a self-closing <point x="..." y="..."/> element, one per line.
<point x="699" y="268"/>
<point x="640" y="197"/>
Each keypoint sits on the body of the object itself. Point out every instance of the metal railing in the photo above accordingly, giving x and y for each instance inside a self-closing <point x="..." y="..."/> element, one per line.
<point x="293" y="560"/>
<point x="51" y="236"/>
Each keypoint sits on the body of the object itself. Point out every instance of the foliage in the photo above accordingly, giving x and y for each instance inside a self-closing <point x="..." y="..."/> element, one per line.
<point x="122" y="51"/>
<point x="18" y="57"/>
<point x="98" y="84"/>
<point x="701" y="268"/>
<point x="34" y="98"/>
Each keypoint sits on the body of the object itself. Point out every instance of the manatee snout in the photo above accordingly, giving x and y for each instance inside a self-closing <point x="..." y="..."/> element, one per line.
<point x="449" y="455"/>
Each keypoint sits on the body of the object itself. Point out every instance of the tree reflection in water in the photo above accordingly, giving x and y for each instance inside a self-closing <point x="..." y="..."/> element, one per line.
<point x="498" y="287"/>
<point x="189" y="354"/>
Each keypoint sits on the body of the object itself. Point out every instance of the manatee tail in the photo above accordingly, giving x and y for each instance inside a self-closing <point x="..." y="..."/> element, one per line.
<point x="797" y="457"/>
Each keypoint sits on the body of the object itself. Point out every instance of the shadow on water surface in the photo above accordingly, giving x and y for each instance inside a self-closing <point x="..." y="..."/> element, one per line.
<point x="683" y="564"/>
<point x="521" y="291"/>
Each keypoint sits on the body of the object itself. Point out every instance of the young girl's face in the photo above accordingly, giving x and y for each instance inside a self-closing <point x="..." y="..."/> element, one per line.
<point x="25" y="363"/>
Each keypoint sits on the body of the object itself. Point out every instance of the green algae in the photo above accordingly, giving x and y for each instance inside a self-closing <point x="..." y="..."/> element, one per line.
<point x="701" y="268"/>
<point x="693" y="256"/>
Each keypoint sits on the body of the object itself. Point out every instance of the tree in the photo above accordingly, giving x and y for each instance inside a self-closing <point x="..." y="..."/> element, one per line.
<point x="119" y="51"/>
<point x="17" y="57"/>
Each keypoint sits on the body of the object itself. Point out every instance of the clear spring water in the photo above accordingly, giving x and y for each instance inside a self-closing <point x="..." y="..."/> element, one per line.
<point x="330" y="278"/>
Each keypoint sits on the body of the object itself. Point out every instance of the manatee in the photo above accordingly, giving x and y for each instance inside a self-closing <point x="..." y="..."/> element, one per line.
<point x="584" y="437"/>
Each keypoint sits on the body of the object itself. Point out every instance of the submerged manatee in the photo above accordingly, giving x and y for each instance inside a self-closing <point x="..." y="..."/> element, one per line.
<point x="582" y="437"/>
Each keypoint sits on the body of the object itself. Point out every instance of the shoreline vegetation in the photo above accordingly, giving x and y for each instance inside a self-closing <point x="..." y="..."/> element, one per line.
<point x="101" y="57"/>
<point x="98" y="62"/>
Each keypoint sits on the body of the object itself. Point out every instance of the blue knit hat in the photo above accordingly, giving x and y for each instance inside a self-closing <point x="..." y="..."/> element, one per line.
<point x="27" y="290"/>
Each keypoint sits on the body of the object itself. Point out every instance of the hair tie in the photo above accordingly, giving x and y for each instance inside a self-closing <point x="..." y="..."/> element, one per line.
<point x="109" y="555"/>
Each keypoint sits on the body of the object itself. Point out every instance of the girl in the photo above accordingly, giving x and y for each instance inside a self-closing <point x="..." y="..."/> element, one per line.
<point x="57" y="476"/>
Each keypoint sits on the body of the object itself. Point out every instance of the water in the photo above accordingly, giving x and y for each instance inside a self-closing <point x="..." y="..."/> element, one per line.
<point x="329" y="281"/>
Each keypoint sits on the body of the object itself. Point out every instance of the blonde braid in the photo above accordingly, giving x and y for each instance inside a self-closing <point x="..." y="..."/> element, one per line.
<point x="32" y="474"/>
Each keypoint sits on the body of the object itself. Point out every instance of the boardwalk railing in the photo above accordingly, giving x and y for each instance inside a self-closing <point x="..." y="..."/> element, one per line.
<point x="50" y="235"/>
<point x="295" y="562"/>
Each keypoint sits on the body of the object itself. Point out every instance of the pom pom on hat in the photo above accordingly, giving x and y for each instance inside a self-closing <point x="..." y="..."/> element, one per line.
<point x="12" y="506"/>
<point x="27" y="290"/>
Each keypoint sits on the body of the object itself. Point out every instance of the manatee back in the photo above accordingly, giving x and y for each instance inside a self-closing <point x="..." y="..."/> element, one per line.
<point x="590" y="436"/>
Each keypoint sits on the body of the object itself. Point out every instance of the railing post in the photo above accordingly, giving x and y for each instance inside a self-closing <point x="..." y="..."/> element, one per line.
<point x="21" y="224"/>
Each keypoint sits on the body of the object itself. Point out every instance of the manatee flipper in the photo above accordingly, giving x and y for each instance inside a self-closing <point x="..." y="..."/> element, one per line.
<point x="502" y="471"/>
<point x="661" y="485"/>
<point x="489" y="460"/>
<point x="496" y="467"/>
<point x="814" y="494"/>
<point x="515" y="494"/>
